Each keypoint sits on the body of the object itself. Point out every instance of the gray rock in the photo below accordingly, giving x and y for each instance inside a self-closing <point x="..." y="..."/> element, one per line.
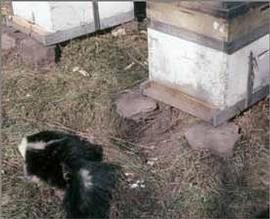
<point x="7" y="42"/>
<point x="34" y="52"/>
<point x="132" y="104"/>
<point x="219" y="139"/>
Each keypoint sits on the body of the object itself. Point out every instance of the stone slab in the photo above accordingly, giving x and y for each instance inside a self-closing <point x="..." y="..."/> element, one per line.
<point x="219" y="139"/>
<point x="7" y="42"/>
<point x="131" y="104"/>
<point x="34" y="52"/>
<point x="29" y="50"/>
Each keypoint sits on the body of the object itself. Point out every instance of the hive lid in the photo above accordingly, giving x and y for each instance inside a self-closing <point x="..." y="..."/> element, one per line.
<point x="224" y="9"/>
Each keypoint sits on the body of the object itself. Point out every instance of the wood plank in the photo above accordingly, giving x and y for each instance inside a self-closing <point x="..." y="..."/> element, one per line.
<point x="116" y="20"/>
<point x="27" y="27"/>
<point x="52" y="38"/>
<point x="229" y="35"/>
<point x="65" y="35"/>
<point x="230" y="112"/>
<point x="226" y="10"/>
<point x="244" y="24"/>
<point x="227" y="47"/>
<point x="190" y="20"/>
<point x="179" y="100"/>
<point x="245" y="40"/>
<point x="195" y="107"/>
<point x="189" y="35"/>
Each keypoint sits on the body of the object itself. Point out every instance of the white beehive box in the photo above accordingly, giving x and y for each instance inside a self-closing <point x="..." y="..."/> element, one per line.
<point x="52" y="22"/>
<point x="199" y="56"/>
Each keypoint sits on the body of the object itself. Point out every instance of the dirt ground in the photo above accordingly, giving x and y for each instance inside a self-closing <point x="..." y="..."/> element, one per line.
<point x="165" y="177"/>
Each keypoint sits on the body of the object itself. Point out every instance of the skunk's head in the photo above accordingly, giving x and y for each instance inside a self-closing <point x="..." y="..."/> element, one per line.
<point x="41" y="160"/>
<point x="23" y="146"/>
<point x="45" y="152"/>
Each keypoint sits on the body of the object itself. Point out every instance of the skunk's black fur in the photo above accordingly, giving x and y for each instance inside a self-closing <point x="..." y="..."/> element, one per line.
<point x="90" y="189"/>
<point x="264" y="214"/>
<point x="47" y="164"/>
<point x="73" y="164"/>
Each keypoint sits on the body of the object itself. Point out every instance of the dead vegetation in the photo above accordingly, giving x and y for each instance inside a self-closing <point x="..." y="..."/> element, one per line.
<point x="78" y="96"/>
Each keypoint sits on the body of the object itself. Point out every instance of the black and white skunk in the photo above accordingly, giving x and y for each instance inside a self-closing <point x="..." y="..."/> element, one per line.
<point x="89" y="191"/>
<point x="263" y="214"/>
<point x="74" y="165"/>
<point x="45" y="152"/>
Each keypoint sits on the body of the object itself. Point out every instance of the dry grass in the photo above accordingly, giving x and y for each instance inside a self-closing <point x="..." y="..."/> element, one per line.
<point x="78" y="95"/>
<point x="68" y="100"/>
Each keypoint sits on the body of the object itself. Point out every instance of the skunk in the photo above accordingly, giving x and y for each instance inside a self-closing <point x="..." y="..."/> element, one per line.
<point x="264" y="214"/>
<point x="45" y="152"/>
<point x="89" y="190"/>
<point x="75" y="166"/>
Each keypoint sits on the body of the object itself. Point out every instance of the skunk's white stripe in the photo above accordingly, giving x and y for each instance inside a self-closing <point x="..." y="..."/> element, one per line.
<point x="34" y="145"/>
<point x="87" y="178"/>
<point x="41" y="145"/>
<point x="37" y="145"/>
<point x="22" y="147"/>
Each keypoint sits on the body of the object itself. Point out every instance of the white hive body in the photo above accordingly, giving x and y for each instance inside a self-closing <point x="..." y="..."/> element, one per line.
<point x="56" y="22"/>
<point x="200" y="57"/>
<point x="203" y="72"/>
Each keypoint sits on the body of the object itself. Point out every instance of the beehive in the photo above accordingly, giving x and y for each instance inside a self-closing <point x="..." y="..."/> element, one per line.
<point x="52" y="22"/>
<point x="210" y="59"/>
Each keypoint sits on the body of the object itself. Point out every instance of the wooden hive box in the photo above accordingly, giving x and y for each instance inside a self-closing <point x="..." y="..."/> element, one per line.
<point x="210" y="59"/>
<point x="52" y="22"/>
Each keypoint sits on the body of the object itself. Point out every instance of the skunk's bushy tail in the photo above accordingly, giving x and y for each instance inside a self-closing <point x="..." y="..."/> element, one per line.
<point x="90" y="190"/>
<point x="264" y="214"/>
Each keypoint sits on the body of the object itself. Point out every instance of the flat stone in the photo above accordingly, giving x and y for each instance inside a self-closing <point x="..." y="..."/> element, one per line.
<point x="29" y="50"/>
<point x="219" y="139"/>
<point x="33" y="52"/>
<point x="131" y="104"/>
<point x="11" y="38"/>
<point x="7" y="42"/>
